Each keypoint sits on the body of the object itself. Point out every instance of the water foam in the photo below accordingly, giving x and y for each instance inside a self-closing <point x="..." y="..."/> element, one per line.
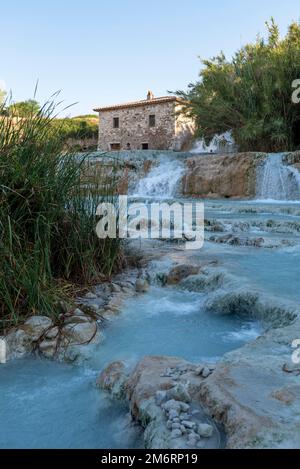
<point x="277" y="181"/>
<point x="162" y="181"/>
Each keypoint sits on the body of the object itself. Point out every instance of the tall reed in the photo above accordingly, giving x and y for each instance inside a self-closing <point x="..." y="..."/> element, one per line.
<point x="47" y="218"/>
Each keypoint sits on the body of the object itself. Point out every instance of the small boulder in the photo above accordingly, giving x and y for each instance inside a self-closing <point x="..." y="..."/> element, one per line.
<point x="48" y="348"/>
<point x="189" y="424"/>
<point x="180" y="272"/>
<point x="81" y="333"/>
<point x="116" y="288"/>
<point x="179" y="393"/>
<point x="176" y="434"/>
<point x="36" y="326"/>
<point x="206" y="372"/>
<point x="52" y="333"/>
<point x="205" y="430"/>
<point x="141" y="285"/>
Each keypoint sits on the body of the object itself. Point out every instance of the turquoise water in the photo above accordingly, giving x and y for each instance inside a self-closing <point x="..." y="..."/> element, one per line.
<point x="50" y="405"/>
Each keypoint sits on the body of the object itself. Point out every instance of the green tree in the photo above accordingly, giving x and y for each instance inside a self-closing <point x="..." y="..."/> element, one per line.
<point x="24" y="108"/>
<point x="251" y="93"/>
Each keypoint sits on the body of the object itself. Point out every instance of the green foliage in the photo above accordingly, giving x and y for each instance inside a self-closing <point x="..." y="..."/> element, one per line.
<point x="24" y="108"/>
<point x="87" y="116"/>
<point x="251" y="94"/>
<point x="47" y="219"/>
<point x="76" y="128"/>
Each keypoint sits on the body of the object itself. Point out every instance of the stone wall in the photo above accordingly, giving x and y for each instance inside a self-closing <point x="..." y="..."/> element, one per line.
<point x="134" y="127"/>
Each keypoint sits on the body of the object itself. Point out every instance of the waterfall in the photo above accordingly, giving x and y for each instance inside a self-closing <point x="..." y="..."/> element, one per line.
<point x="278" y="181"/>
<point x="162" y="180"/>
<point x="220" y="143"/>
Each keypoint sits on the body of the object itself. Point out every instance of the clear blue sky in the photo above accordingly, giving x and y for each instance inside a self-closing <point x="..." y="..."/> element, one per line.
<point x="108" y="51"/>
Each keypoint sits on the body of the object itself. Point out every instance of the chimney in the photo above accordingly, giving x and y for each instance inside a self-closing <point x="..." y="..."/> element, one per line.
<point x="150" y="95"/>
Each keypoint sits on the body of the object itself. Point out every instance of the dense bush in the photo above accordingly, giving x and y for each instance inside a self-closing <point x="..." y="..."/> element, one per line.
<point x="76" y="128"/>
<point x="251" y="94"/>
<point x="47" y="234"/>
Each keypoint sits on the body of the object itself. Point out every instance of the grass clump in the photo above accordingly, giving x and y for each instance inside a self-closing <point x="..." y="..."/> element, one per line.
<point x="47" y="219"/>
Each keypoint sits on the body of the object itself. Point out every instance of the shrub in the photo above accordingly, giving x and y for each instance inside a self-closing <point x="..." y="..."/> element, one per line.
<point x="251" y="94"/>
<point x="47" y="219"/>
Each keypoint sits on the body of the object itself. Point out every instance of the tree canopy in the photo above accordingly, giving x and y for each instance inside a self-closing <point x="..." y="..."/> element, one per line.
<point x="251" y="94"/>
<point x="24" y="108"/>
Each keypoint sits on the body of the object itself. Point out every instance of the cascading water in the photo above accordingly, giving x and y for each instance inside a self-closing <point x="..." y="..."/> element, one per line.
<point x="220" y="143"/>
<point x="277" y="180"/>
<point x="162" y="180"/>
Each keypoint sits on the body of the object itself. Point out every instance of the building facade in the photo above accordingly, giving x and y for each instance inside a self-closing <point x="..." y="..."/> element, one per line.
<point x="150" y="124"/>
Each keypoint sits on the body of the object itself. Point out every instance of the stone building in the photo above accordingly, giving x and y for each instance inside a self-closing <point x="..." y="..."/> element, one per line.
<point x="150" y="124"/>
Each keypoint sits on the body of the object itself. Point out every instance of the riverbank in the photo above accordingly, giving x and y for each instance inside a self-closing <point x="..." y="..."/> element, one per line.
<point x="211" y="330"/>
<point x="248" y="392"/>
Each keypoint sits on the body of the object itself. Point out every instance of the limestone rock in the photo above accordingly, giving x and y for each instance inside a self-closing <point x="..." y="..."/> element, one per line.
<point x="179" y="393"/>
<point x="141" y="285"/>
<point x="220" y="176"/>
<point x="48" y="348"/>
<point x="180" y="272"/>
<point x="176" y="434"/>
<point x="18" y="344"/>
<point x="205" y="430"/>
<point x="52" y="333"/>
<point x="81" y="333"/>
<point x="113" y="379"/>
<point x="36" y="326"/>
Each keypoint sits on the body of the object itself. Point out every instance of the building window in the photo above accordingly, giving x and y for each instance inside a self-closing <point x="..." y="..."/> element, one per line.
<point x="145" y="146"/>
<point x="116" y="123"/>
<point x="115" y="146"/>
<point x="152" y="120"/>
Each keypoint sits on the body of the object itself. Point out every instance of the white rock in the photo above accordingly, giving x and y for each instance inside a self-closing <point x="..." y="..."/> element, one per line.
<point x="206" y="372"/>
<point x="48" y="348"/>
<point x="179" y="393"/>
<point x="52" y="333"/>
<point x="78" y="319"/>
<point x="189" y="424"/>
<point x="116" y="288"/>
<point x="173" y="414"/>
<point x="172" y="404"/>
<point x="205" y="430"/>
<point x="176" y="426"/>
<point x="36" y="326"/>
<point x="18" y="344"/>
<point x="141" y="285"/>
<point x="176" y="434"/>
<point x="184" y="407"/>
<point x="198" y="371"/>
<point x="195" y="436"/>
<point x="80" y="334"/>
